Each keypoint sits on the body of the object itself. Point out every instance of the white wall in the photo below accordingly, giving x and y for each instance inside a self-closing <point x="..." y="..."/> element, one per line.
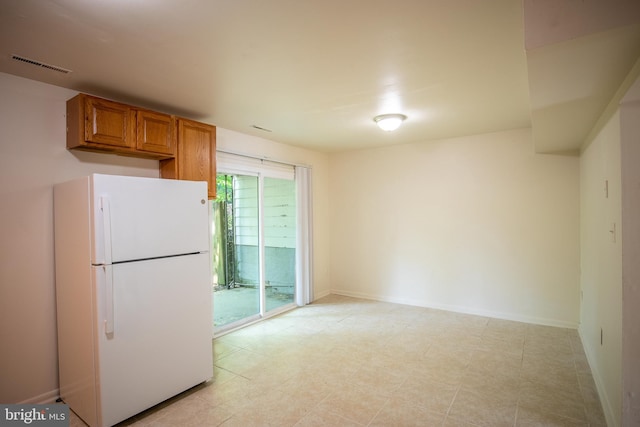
<point x="33" y="157"/>
<point x="630" y="154"/>
<point x="610" y="272"/>
<point x="601" y="264"/>
<point x="477" y="224"/>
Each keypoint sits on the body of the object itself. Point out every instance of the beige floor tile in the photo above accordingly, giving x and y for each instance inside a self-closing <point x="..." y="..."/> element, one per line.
<point x="496" y="363"/>
<point x="445" y="351"/>
<point x="234" y="391"/>
<point x="592" y="405"/>
<point x="398" y="413"/>
<point x="553" y="349"/>
<point x="452" y="422"/>
<point x="222" y="347"/>
<point x="399" y="356"/>
<point x="502" y="388"/>
<point x="563" y="402"/>
<point x="548" y="332"/>
<point x="502" y="344"/>
<point x="274" y="371"/>
<point x="430" y="395"/>
<point x="184" y="411"/>
<point x="205" y="417"/>
<point x="423" y="328"/>
<point x="482" y="410"/>
<point x="353" y="403"/>
<point x="459" y="338"/>
<point x="379" y="380"/>
<point x="241" y="361"/>
<point x="440" y="372"/>
<point x="595" y="415"/>
<point x="333" y="368"/>
<point x="343" y="361"/>
<point x="221" y="375"/>
<point x="325" y="419"/>
<point x="551" y="377"/>
<point x="274" y="408"/>
<point x="582" y="364"/>
<point x="445" y="364"/>
<point x="270" y="346"/>
<point x="506" y="326"/>
<point x="308" y="390"/>
<point x="538" y="418"/>
<point x="75" y="421"/>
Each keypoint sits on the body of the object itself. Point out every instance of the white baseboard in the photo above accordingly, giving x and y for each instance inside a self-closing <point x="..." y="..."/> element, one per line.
<point x="597" y="378"/>
<point x="460" y="309"/>
<point x="321" y="295"/>
<point x="42" y="399"/>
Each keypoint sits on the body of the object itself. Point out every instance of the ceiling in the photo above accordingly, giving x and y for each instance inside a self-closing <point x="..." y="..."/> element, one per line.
<point x="314" y="73"/>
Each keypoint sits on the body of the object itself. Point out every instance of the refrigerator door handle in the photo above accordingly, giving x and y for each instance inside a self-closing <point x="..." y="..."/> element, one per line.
<point x="108" y="290"/>
<point x="105" y="207"/>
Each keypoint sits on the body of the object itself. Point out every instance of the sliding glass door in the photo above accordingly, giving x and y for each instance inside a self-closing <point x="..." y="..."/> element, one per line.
<point x="254" y="247"/>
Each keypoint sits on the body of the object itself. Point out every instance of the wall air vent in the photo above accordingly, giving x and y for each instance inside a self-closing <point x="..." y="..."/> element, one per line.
<point x="40" y="64"/>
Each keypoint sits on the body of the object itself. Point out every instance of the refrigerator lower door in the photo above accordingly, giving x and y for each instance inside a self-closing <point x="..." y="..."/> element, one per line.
<point x="154" y="333"/>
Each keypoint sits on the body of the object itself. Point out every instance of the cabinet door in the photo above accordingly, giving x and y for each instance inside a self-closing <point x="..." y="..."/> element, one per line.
<point x="196" y="160"/>
<point x="155" y="132"/>
<point x="109" y="123"/>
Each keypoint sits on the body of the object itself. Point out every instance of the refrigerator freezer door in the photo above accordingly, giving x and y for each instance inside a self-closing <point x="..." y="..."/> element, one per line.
<point x="141" y="218"/>
<point x="161" y="339"/>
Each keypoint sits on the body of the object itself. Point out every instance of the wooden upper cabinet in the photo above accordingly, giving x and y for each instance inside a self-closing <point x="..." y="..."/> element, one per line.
<point x="196" y="156"/>
<point x="155" y="132"/>
<point x="186" y="148"/>
<point x="97" y="124"/>
<point x="108" y="122"/>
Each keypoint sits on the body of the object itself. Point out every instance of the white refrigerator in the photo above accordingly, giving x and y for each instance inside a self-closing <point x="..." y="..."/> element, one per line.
<point x="133" y="292"/>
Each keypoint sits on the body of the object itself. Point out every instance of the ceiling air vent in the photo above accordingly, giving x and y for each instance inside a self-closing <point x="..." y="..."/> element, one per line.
<point x="40" y="64"/>
<point x="261" y="128"/>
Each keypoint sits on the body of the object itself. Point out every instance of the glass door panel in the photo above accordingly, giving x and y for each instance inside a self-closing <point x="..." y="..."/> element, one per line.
<point x="279" y="197"/>
<point x="235" y="251"/>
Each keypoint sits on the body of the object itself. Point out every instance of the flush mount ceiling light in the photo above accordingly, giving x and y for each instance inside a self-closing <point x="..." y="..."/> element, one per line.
<point x="389" y="122"/>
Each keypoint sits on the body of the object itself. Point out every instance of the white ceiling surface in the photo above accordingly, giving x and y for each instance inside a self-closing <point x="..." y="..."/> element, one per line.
<point x="316" y="72"/>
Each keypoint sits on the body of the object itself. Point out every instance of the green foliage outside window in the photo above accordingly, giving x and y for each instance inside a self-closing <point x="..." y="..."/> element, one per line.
<point x="224" y="187"/>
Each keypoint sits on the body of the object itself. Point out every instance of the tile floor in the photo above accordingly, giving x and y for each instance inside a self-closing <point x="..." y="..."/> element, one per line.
<point x="349" y="362"/>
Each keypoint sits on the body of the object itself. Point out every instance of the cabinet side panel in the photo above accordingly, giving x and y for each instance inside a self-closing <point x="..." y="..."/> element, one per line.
<point x="75" y="122"/>
<point x="168" y="169"/>
<point x="74" y="298"/>
<point x="212" y="178"/>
